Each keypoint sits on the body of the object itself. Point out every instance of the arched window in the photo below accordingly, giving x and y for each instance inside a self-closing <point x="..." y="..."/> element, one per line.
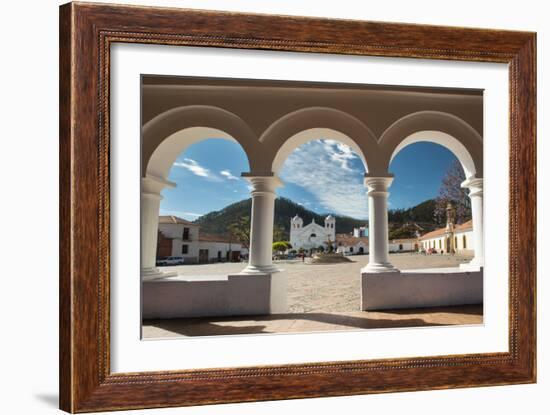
<point x="313" y="235"/>
<point x="464" y="242"/>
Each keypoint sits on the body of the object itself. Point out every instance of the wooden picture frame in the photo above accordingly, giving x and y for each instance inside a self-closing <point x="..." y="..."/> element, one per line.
<point x="86" y="33"/>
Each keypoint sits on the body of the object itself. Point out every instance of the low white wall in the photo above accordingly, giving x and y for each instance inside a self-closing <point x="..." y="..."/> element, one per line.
<point x="227" y="295"/>
<point x="421" y="288"/>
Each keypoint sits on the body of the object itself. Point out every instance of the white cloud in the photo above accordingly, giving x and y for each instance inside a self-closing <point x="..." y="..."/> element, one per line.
<point x="196" y="169"/>
<point x="228" y="175"/>
<point x="181" y="214"/>
<point x="324" y="169"/>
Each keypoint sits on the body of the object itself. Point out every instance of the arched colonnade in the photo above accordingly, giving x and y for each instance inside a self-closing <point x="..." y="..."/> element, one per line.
<point x="166" y="135"/>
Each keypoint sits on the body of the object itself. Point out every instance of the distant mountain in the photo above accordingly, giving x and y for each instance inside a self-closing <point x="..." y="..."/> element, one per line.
<point x="421" y="213"/>
<point x="406" y="223"/>
<point x="216" y="222"/>
<point x="403" y="222"/>
<point x="285" y="209"/>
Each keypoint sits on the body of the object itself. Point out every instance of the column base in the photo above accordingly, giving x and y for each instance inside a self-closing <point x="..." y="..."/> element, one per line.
<point x="379" y="268"/>
<point x="260" y="269"/>
<point x="148" y="274"/>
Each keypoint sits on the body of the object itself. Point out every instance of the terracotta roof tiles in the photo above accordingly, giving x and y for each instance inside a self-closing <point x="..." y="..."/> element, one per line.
<point x="175" y="220"/>
<point x="464" y="227"/>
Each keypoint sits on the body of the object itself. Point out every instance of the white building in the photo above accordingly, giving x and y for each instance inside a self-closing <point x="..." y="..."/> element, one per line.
<point x="348" y="244"/>
<point x="461" y="240"/>
<point x="313" y="235"/>
<point x="361" y="231"/>
<point x="404" y="245"/>
<point x="179" y="237"/>
<point x="359" y="245"/>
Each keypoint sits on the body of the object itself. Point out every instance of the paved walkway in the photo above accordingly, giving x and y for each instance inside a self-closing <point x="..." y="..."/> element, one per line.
<point x="313" y="322"/>
<point x="320" y="298"/>
<point x="326" y="287"/>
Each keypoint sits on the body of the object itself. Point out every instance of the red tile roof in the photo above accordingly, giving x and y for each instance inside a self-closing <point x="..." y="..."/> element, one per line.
<point x="344" y="239"/>
<point x="464" y="227"/>
<point x="175" y="220"/>
<point x="205" y="237"/>
<point x="403" y="240"/>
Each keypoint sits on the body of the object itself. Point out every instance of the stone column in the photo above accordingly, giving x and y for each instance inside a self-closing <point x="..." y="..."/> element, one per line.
<point x="150" y="204"/>
<point x="475" y="185"/>
<point x="261" y="224"/>
<point x="378" y="225"/>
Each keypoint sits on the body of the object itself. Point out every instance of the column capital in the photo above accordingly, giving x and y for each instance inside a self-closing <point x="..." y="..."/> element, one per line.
<point x="378" y="184"/>
<point x="153" y="185"/>
<point x="263" y="183"/>
<point x="475" y="185"/>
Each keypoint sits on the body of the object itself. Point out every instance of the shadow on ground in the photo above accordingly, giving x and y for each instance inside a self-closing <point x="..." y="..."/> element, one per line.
<point x="473" y="310"/>
<point x="50" y="399"/>
<point x="314" y="321"/>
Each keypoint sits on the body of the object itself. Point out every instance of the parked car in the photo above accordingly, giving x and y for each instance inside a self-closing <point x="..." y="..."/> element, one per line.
<point x="171" y="260"/>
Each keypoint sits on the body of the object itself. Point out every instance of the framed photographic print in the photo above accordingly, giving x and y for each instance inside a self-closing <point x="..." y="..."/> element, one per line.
<point x="260" y="207"/>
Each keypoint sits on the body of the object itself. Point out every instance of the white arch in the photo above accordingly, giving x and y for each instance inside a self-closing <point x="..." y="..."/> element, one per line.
<point x="189" y="124"/>
<point x="165" y="154"/>
<point x="349" y="130"/>
<point x="445" y="140"/>
<point x="311" y="134"/>
<point x="442" y="128"/>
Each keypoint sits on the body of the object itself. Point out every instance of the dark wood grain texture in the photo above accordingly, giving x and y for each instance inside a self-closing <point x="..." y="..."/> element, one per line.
<point x="86" y="32"/>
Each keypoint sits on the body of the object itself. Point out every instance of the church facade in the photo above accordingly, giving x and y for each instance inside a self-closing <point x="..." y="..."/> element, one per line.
<point x="451" y="239"/>
<point x="312" y="235"/>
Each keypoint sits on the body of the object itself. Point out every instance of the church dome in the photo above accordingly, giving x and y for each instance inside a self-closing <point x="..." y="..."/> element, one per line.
<point x="329" y="217"/>
<point x="296" y="217"/>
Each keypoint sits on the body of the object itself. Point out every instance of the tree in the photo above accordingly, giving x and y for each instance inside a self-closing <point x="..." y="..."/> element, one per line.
<point x="279" y="233"/>
<point x="240" y="230"/>
<point x="281" y="246"/>
<point x="403" y="232"/>
<point x="451" y="192"/>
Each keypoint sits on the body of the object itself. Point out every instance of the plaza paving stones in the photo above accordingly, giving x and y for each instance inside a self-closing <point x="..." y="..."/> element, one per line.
<point x="320" y="298"/>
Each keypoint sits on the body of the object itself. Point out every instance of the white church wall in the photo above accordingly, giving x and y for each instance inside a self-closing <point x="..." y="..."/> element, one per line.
<point x="439" y="243"/>
<point x="469" y="248"/>
<point x="312" y="235"/>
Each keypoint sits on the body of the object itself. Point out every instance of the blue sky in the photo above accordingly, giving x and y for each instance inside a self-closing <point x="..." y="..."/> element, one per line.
<point x="323" y="175"/>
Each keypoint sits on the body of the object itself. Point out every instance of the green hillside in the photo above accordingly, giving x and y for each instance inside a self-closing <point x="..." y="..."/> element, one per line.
<point x="403" y="222"/>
